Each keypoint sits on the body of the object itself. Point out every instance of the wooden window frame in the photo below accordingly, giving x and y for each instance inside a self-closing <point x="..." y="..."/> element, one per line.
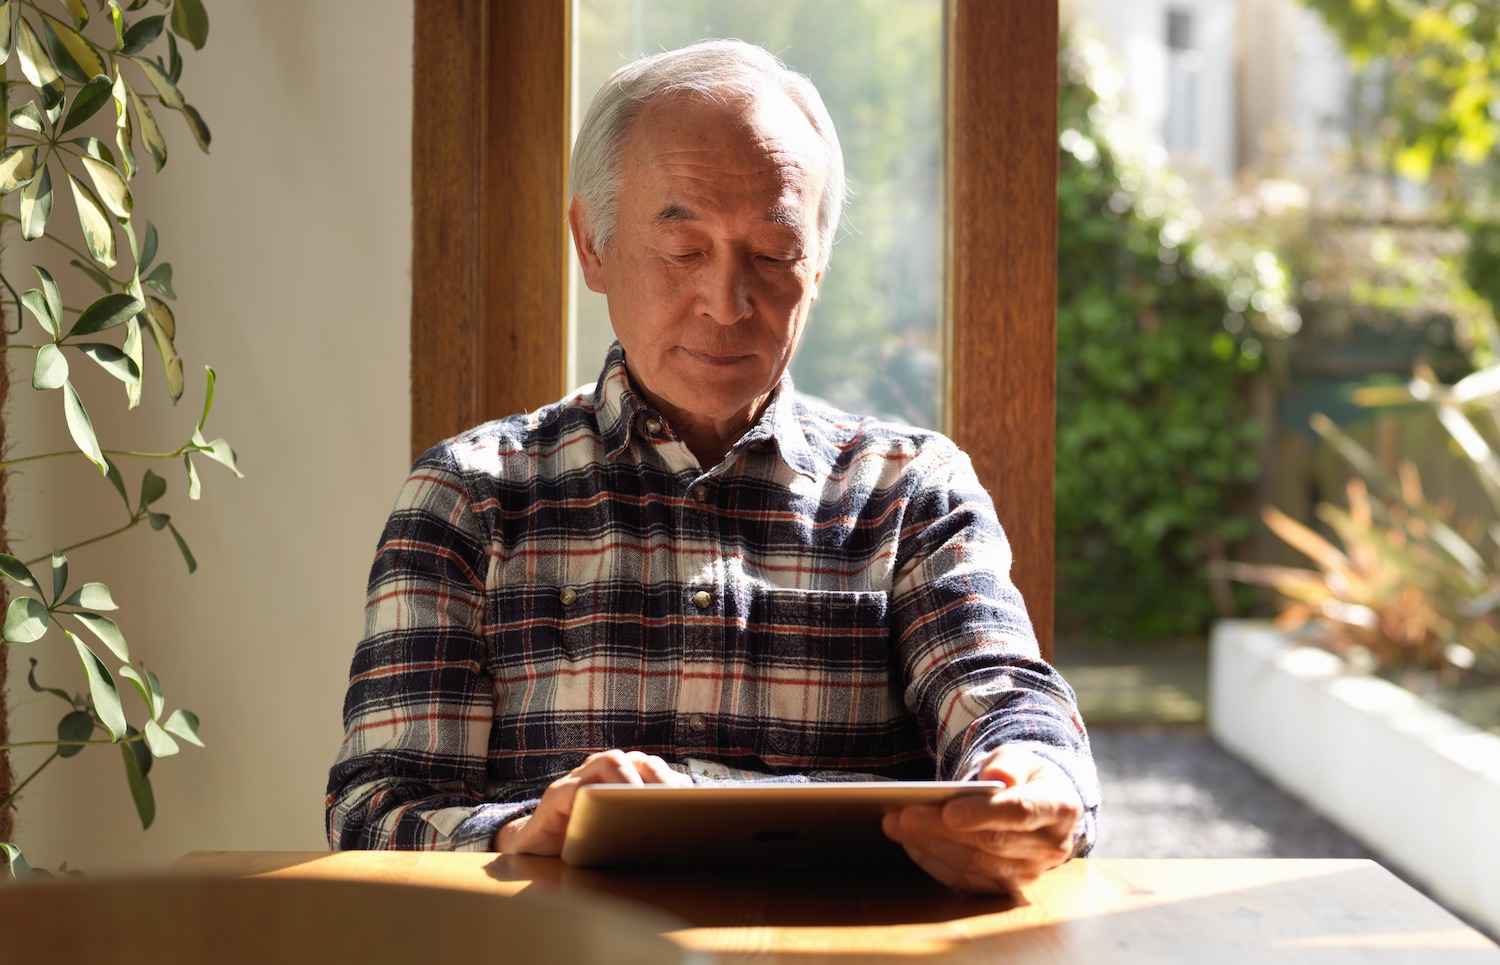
<point x="490" y="252"/>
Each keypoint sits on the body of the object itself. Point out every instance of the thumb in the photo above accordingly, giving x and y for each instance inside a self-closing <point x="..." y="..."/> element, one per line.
<point x="1011" y="765"/>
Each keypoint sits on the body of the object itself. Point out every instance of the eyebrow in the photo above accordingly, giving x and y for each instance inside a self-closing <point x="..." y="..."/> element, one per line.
<point x="784" y="215"/>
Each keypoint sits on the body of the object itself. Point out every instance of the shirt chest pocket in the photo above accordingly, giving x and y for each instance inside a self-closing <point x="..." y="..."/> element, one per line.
<point x="823" y="677"/>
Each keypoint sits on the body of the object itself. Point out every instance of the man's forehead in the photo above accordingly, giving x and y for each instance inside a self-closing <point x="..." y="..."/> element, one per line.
<point x="769" y="116"/>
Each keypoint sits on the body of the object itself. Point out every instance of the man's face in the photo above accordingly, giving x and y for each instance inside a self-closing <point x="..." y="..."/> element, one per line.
<point x="712" y="268"/>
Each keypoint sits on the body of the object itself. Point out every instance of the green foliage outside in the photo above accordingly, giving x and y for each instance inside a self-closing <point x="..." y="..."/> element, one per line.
<point x="82" y="92"/>
<point x="1437" y="65"/>
<point x="1436" y="120"/>
<point x="1159" y="336"/>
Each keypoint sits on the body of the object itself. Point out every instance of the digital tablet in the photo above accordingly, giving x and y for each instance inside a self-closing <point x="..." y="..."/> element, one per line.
<point x="759" y="824"/>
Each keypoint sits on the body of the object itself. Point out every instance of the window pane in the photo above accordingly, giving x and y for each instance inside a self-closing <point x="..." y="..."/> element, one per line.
<point x="874" y="344"/>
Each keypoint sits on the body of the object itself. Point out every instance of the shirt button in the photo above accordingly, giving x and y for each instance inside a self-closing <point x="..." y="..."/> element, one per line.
<point x="697" y="724"/>
<point x="700" y="493"/>
<point x="703" y="599"/>
<point x="568" y="596"/>
<point x="653" y="426"/>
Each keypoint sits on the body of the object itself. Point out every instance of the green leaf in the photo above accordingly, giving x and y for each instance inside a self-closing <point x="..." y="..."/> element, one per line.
<point x="6" y="23"/>
<point x="124" y="132"/>
<point x="36" y="206"/>
<point x="159" y="521"/>
<point x="99" y="277"/>
<point x="49" y="289"/>
<point x="190" y="22"/>
<point x="184" y="723"/>
<point x="182" y="546"/>
<point x="86" y="103"/>
<point x="105" y="313"/>
<point x="59" y="692"/>
<point x="165" y="89"/>
<point x="151" y="136"/>
<point x="92" y="596"/>
<point x="112" y="360"/>
<point x="158" y="742"/>
<point x="74" y="56"/>
<point x="117" y="18"/>
<point x="142" y="33"/>
<point x="17" y="167"/>
<point x="95" y="149"/>
<point x="102" y="689"/>
<point x="15" y="861"/>
<point x="108" y="632"/>
<point x="36" y="65"/>
<point x="25" y="620"/>
<point x="148" y="247"/>
<point x="174" y="60"/>
<point x="81" y="428"/>
<point x="219" y="451"/>
<point x="197" y="125"/>
<point x="75" y="726"/>
<point x="133" y="350"/>
<point x="140" y="786"/>
<point x="162" y="325"/>
<point x="16" y="570"/>
<point x="59" y="574"/>
<point x="79" y="12"/>
<point x="153" y="487"/>
<point x="110" y="185"/>
<point x="161" y="280"/>
<point x="27" y="117"/>
<point x="98" y="232"/>
<point x="208" y="397"/>
<point x="51" y="368"/>
<point x="117" y="481"/>
<point x="35" y="302"/>
<point x="195" y="487"/>
<point x="149" y="688"/>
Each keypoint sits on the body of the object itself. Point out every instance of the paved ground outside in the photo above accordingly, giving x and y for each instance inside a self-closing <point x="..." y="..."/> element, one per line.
<point x="1169" y="790"/>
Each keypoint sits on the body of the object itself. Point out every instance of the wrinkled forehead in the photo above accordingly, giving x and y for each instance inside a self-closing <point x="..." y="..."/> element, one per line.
<point x="765" y="121"/>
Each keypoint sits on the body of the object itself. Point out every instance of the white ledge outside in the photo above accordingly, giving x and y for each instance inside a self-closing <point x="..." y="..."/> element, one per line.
<point x="1414" y="784"/>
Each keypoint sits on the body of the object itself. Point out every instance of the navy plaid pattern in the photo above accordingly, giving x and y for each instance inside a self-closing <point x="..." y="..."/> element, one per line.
<point x="832" y="600"/>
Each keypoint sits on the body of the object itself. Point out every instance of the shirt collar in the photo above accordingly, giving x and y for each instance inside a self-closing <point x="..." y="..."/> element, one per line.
<point x="620" y="408"/>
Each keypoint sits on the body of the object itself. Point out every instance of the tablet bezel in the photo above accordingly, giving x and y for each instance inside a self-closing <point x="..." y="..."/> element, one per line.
<point x="745" y="824"/>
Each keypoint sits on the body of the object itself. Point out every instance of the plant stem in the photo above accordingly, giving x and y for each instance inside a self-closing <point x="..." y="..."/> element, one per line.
<point x="108" y="452"/>
<point x="132" y="739"/>
<point x="53" y="238"/>
<point x="88" y="542"/>
<point x="5" y="804"/>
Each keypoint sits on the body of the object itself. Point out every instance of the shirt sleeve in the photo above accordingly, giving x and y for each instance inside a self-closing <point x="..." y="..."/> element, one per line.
<point x="411" y="773"/>
<point x="972" y="672"/>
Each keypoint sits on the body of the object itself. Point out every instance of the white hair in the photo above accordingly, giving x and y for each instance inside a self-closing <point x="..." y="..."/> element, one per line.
<point x="715" y="69"/>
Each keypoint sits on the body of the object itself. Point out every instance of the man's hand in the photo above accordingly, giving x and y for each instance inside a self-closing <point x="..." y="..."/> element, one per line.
<point x="997" y="844"/>
<point x="543" y="830"/>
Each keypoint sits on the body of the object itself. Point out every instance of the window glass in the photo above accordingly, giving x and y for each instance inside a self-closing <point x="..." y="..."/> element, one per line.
<point x="874" y="344"/>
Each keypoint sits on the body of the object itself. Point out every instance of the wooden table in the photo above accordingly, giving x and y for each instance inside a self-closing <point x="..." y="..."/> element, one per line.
<point x="1101" y="910"/>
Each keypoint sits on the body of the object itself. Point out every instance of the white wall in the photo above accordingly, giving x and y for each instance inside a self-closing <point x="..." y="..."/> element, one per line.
<point x="291" y="244"/>
<point x="1137" y="31"/>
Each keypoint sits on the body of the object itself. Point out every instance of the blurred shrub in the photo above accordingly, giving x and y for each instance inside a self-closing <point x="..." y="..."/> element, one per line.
<point x="1411" y="588"/>
<point x="1158" y="338"/>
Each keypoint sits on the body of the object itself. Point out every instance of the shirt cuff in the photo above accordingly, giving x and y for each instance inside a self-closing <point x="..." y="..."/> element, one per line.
<point x="477" y="833"/>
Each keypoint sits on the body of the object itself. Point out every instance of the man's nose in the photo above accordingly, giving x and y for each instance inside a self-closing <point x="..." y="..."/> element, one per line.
<point x="725" y="295"/>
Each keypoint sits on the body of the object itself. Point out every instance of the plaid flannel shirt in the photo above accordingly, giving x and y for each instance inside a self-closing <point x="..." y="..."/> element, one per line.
<point x="832" y="599"/>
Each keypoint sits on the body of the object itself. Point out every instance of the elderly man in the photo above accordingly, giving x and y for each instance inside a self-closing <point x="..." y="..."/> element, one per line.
<point x="687" y="572"/>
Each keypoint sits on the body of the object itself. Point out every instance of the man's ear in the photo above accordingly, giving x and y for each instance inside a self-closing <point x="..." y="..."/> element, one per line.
<point x="583" y="243"/>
